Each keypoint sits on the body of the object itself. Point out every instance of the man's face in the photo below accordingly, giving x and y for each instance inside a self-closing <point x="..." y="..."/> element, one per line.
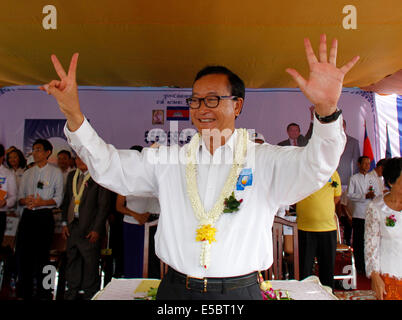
<point x="380" y="169"/>
<point x="293" y="132"/>
<point x="364" y="166"/>
<point x="223" y="116"/>
<point x="80" y="164"/>
<point x="39" y="154"/>
<point x="63" y="161"/>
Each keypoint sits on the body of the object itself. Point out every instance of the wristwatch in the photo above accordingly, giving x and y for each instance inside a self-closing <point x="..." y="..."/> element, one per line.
<point x="330" y="118"/>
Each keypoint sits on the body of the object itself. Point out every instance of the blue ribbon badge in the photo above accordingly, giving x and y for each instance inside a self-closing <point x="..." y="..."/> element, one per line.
<point x="245" y="179"/>
<point x="2" y="180"/>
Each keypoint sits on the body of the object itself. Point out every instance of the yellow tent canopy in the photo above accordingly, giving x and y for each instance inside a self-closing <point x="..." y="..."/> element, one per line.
<point x="164" y="43"/>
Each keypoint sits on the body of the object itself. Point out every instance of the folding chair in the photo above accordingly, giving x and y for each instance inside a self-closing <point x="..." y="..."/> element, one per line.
<point x="275" y="272"/>
<point x="342" y="251"/>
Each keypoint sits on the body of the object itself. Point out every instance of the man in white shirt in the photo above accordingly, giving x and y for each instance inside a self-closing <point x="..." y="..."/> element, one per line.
<point x="362" y="189"/>
<point x="41" y="191"/>
<point x="194" y="236"/>
<point x="8" y="193"/>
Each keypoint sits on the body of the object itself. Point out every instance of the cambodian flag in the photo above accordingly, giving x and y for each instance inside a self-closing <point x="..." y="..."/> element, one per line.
<point x="367" y="150"/>
<point x="177" y="113"/>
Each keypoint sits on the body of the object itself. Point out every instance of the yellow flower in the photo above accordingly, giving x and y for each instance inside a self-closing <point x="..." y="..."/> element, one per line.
<point x="266" y="285"/>
<point x="206" y="232"/>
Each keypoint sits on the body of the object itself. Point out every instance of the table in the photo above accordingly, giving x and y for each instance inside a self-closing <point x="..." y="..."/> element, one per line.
<point x="130" y="289"/>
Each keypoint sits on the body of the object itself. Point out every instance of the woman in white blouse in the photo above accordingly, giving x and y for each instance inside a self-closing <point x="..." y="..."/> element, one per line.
<point x="16" y="161"/>
<point x="383" y="236"/>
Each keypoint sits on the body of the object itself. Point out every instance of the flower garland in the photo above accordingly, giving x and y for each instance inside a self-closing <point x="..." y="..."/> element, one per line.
<point x="206" y="231"/>
<point x="77" y="196"/>
<point x="268" y="293"/>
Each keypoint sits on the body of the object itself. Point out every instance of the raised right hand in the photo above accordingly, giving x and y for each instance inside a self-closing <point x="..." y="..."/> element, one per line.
<point x="65" y="91"/>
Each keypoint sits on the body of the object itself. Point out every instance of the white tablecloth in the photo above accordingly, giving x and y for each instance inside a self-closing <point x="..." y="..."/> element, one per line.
<point x="129" y="289"/>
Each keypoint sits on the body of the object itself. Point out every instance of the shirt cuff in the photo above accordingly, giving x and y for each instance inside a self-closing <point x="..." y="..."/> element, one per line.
<point x="329" y="130"/>
<point x="81" y="136"/>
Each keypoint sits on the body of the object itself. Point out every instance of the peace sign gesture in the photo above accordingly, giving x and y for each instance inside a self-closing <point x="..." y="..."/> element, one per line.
<point x="324" y="85"/>
<point x="65" y="92"/>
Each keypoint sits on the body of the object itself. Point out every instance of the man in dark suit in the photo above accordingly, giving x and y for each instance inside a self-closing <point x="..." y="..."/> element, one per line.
<point x="295" y="138"/>
<point x="347" y="168"/>
<point x="85" y="209"/>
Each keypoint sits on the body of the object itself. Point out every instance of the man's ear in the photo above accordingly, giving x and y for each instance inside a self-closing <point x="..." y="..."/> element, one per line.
<point x="238" y="106"/>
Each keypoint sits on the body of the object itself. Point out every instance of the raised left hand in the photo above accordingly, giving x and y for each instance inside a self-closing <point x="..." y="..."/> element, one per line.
<point x="324" y="86"/>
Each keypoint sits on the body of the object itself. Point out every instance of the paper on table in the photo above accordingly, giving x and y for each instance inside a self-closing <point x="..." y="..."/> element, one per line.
<point x="125" y="289"/>
<point x="146" y="285"/>
<point x="307" y="289"/>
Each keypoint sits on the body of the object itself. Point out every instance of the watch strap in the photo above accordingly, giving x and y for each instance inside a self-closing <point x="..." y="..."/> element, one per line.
<point x="330" y="118"/>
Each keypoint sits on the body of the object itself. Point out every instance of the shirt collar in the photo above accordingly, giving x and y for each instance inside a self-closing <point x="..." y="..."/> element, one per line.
<point x="83" y="172"/>
<point x="229" y="143"/>
<point x="43" y="168"/>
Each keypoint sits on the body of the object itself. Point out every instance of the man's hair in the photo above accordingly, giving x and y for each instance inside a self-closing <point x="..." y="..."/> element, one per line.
<point x="237" y="87"/>
<point x="137" y="147"/>
<point x="392" y="170"/>
<point x="360" y="160"/>
<point x="22" y="163"/>
<point x="291" y="125"/>
<point x="2" y="151"/>
<point x="66" y="152"/>
<point x="47" y="146"/>
<point x="381" y="163"/>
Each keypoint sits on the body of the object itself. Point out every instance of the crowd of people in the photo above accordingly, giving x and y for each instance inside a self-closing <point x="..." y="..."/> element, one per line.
<point x="349" y="193"/>
<point x="35" y="194"/>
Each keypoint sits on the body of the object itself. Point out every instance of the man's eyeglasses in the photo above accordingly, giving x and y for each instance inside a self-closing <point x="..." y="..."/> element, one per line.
<point x="209" y="101"/>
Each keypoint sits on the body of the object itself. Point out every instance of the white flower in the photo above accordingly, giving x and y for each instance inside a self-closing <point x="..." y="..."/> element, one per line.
<point x="212" y="215"/>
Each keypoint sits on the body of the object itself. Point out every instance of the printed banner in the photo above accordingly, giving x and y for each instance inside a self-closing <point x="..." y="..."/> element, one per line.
<point x="50" y="129"/>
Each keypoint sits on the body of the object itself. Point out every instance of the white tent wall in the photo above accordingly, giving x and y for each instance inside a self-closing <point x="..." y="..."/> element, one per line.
<point x="389" y="115"/>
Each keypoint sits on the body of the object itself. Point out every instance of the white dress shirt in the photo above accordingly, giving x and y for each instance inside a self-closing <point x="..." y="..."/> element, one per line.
<point x="280" y="176"/>
<point x="359" y="185"/>
<point x="18" y="175"/>
<point x="52" y="184"/>
<point x="140" y="205"/>
<point x="9" y="185"/>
